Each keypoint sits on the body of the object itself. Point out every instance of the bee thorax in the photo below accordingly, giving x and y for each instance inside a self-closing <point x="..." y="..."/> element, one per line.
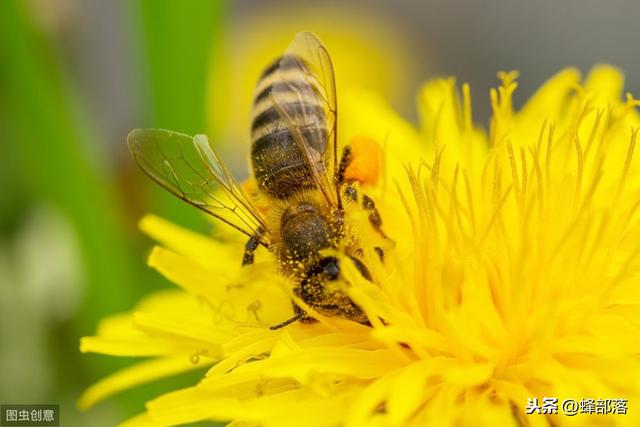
<point x="304" y="232"/>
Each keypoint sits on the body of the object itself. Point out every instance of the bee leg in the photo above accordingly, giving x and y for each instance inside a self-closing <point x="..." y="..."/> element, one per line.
<point x="351" y="193"/>
<point x="249" y="249"/>
<point x="362" y="269"/>
<point x="379" y="252"/>
<point x="299" y="315"/>
<point x="296" y="317"/>
<point x="303" y="317"/>
<point x="345" y="159"/>
<point x="368" y="205"/>
<point x="374" y="216"/>
<point x="355" y="313"/>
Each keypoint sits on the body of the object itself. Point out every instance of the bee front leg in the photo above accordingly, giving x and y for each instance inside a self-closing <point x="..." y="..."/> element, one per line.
<point x="250" y="248"/>
<point x="311" y="290"/>
<point x="298" y="315"/>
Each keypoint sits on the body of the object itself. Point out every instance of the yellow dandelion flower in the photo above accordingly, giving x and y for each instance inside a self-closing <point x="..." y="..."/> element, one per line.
<point x="514" y="277"/>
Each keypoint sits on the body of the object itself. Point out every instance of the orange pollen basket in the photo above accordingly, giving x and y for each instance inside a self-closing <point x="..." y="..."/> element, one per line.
<point x="366" y="161"/>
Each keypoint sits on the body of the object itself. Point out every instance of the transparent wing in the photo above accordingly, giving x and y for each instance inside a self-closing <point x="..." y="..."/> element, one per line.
<point x="297" y="100"/>
<point x="188" y="168"/>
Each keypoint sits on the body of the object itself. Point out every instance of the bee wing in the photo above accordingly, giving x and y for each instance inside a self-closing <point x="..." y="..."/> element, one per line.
<point x="307" y="54"/>
<point x="188" y="168"/>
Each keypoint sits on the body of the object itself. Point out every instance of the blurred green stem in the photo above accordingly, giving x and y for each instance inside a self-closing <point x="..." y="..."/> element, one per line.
<point x="178" y="39"/>
<point x="48" y="138"/>
<point x="54" y="164"/>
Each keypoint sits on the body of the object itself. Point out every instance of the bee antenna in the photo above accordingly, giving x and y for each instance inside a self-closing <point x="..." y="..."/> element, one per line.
<point x="287" y="322"/>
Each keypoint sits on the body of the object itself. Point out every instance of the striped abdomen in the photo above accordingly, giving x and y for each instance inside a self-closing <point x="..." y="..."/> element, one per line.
<point x="278" y="162"/>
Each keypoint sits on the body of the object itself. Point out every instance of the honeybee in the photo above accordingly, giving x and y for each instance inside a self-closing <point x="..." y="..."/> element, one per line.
<point x="295" y="165"/>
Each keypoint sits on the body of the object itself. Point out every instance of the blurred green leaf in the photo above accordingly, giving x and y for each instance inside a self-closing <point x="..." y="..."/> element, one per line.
<point x="46" y="153"/>
<point x="49" y="143"/>
<point x="177" y="40"/>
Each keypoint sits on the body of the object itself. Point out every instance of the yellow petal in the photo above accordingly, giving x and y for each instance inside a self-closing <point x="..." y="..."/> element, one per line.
<point x="446" y="127"/>
<point x="343" y="361"/>
<point x="184" y="272"/>
<point x="406" y="393"/>
<point x="126" y="347"/>
<point x="607" y="83"/>
<point x="440" y="112"/>
<point x="138" y="374"/>
<point x="190" y="405"/>
<point x="141" y="420"/>
<point x="118" y="325"/>
<point x="369" y="401"/>
<point x="202" y="249"/>
<point x="487" y="410"/>
<point x="256" y="295"/>
<point x="549" y="101"/>
<point x="117" y="335"/>
<point x="286" y="408"/>
<point x="194" y="331"/>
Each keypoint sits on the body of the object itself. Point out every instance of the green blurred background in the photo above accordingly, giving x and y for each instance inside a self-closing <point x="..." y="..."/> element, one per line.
<point x="76" y="76"/>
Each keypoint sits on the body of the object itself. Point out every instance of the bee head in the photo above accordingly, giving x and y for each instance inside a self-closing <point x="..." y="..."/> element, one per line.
<point x="329" y="268"/>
